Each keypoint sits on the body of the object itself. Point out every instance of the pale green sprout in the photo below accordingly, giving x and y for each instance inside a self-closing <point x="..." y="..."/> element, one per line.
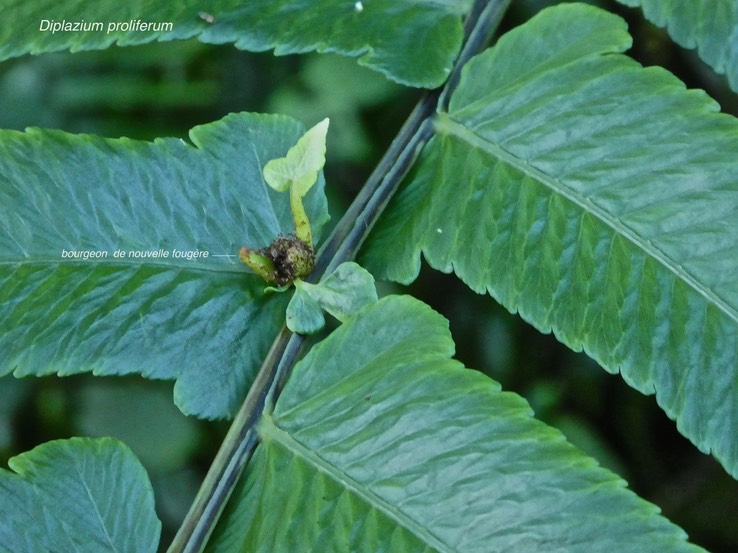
<point x="289" y="258"/>
<point x="298" y="172"/>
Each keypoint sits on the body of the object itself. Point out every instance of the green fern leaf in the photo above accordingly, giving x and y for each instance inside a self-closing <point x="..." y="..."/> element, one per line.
<point x="382" y="34"/>
<point x="381" y="442"/>
<point x="596" y="198"/>
<point x="203" y="321"/>
<point x="81" y="495"/>
<point x="711" y="27"/>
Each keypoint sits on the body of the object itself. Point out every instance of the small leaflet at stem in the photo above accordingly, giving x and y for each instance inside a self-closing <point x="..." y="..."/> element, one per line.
<point x="304" y="314"/>
<point x="341" y="294"/>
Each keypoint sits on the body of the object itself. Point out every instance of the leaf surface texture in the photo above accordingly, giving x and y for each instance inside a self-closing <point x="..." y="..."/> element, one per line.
<point x="82" y="495"/>
<point x="381" y="442"/>
<point x="710" y="27"/>
<point x="382" y="34"/>
<point x="202" y="321"/>
<point x="596" y="198"/>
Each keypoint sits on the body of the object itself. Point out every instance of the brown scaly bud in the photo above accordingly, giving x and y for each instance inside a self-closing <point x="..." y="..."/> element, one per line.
<point x="280" y="263"/>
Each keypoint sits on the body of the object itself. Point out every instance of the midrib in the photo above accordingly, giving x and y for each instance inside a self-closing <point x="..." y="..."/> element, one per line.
<point x="267" y="429"/>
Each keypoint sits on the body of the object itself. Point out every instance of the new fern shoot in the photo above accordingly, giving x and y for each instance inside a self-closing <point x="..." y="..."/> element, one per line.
<point x="290" y="257"/>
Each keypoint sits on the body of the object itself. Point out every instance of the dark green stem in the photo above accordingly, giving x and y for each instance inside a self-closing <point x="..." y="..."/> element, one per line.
<point x="342" y="245"/>
<point x="236" y="449"/>
<point x="354" y="227"/>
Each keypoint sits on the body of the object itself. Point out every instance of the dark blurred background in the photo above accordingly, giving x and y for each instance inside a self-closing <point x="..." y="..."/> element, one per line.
<point x="165" y="89"/>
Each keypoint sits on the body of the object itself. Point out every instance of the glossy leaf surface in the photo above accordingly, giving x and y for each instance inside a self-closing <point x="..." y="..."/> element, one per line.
<point x="381" y="442"/>
<point x="203" y="321"/>
<point x="596" y="198"/>
<point x="81" y="495"/>
<point x="710" y="27"/>
<point x="382" y="34"/>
